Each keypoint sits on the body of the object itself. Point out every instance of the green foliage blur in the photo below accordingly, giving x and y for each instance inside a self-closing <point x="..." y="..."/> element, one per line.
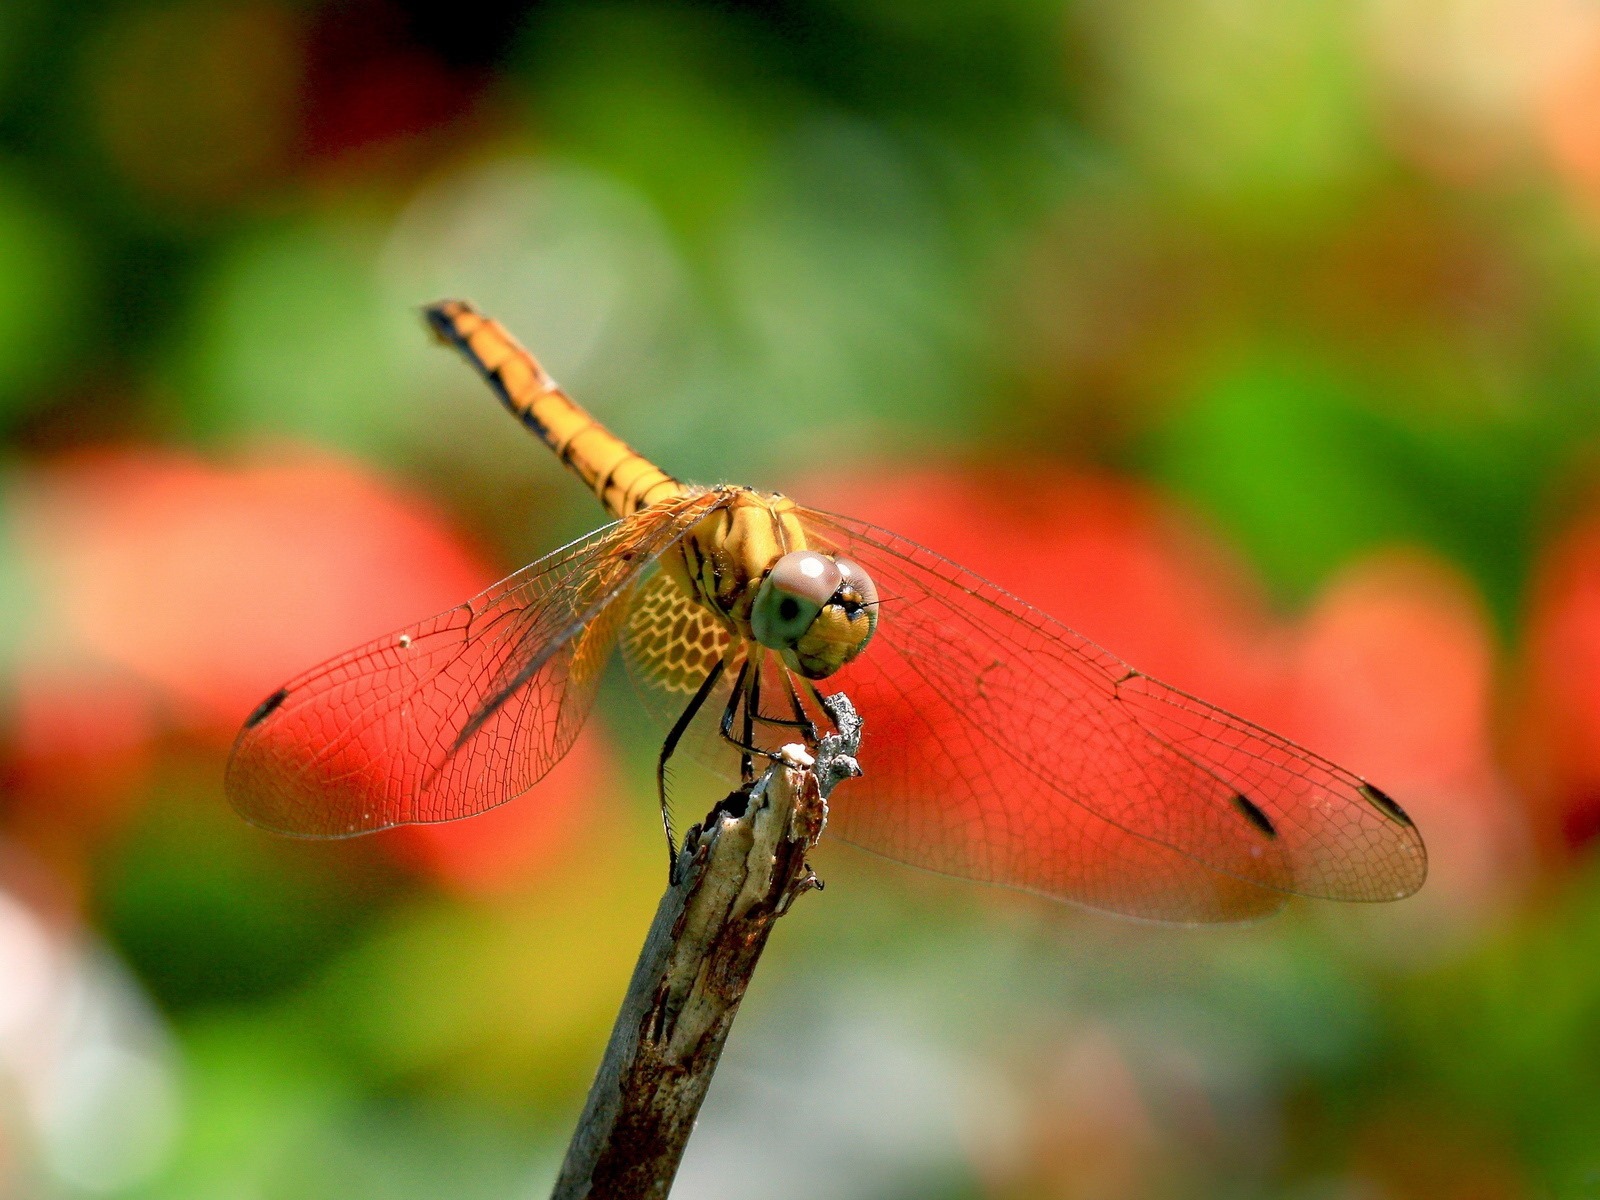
<point x="1294" y="307"/>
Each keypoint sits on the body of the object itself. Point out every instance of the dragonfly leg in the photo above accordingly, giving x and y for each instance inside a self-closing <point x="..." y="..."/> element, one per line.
<point x="667" y="747"/>
<point x="801" y="721"/>
<point x="752" y="704"/>
<point x="745" y="689"/>
<point x="785" y="723"/>
<point x="817" y="696"/>
<point x="747" y="773"/>
<point x="802" y="718"/>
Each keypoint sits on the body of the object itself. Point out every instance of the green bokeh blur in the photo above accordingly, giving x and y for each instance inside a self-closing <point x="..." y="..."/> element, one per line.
<point x="1322" y="281"/>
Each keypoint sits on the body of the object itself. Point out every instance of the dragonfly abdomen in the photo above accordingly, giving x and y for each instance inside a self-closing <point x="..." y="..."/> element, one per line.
<point x="623" y="479"/>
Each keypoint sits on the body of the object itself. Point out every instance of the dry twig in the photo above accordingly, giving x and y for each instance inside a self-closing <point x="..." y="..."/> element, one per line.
<point x="735" y="878"/>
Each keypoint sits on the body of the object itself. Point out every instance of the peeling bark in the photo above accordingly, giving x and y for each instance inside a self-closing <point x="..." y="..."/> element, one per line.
<point x="736" y="877"/>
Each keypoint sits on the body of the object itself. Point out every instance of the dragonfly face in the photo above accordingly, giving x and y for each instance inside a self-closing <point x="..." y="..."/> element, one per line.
<point x="751" y="565"/>
<point x="1000" y="745"/>
<point x="818" y="612"/>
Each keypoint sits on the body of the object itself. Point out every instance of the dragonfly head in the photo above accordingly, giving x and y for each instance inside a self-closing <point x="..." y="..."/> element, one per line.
<point x="818" y="612"/>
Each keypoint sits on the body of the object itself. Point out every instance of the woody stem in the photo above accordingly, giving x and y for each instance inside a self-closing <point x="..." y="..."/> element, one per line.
<point x="735" y="878"/>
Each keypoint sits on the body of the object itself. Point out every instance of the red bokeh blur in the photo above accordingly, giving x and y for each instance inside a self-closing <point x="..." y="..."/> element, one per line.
<point x="370" y="87"/>
<point x="1390" y="673"/>
<point x="1555" y="729"/>
<point x="169" y="595"/>
<point x="503" y="849"/>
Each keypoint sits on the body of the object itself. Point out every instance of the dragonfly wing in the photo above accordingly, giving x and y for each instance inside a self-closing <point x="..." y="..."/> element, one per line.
<point x="1003" y="746"/>
<point x="458" y="713"/>
<point x="669" y="643"/>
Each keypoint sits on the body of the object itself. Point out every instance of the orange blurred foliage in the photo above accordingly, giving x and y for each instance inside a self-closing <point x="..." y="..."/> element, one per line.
<point x="1566" y="102"/>
<point x="1393" y="673"/>
<point x="209" y="584"/>
<point x="197" y="104"/>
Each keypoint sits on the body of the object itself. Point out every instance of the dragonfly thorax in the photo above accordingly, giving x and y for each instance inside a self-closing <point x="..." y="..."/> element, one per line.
<point x="750" y="564"/>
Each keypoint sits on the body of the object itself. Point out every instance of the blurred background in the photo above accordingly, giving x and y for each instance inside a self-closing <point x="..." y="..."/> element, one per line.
<point x="1258" y="341"/>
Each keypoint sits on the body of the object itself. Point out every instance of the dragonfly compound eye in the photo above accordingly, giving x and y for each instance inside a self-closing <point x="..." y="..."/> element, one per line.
<point x="816" y="631"/>
<point x="790" y="597"/>
<point x="843" y="627"/>
<point x="856" y="588"/>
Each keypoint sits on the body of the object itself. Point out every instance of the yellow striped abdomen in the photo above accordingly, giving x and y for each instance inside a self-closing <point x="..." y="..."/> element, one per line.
<point x="624" y="480"/>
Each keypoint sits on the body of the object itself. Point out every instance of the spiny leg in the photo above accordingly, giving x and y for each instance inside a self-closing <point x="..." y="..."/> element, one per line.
<point x="667" y="747"/>
<point x="817" y="696"/>
<point x="800" y="721"/>
<point x="752" y="705"/>
<point x="743" y="687"/>
<point x="747" y="774"/>
<point x="802" y="718"/>
<point x="785" y="723"/>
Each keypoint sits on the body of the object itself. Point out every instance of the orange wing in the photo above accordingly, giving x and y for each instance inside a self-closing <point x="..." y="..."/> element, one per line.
<point x="458" y="713"/>
<point x="1002" y="746"/>
<point x="669" y="644"/>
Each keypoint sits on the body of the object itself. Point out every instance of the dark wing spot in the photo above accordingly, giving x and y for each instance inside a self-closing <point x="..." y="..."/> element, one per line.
<point x="1252" y="813"/>
<point x="266" y="708"/>
<point x="1385" y="802"/>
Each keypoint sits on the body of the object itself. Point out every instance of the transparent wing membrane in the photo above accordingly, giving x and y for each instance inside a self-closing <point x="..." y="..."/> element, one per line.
<point x="999" y="745"/>
<point x="1002" y="746"/>
<point x="669" y="643"/>
<point x="460" y="712"/>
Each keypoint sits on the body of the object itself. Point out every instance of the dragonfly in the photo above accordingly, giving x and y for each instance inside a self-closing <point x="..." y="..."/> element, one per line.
<point x="1000" y="746"/>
